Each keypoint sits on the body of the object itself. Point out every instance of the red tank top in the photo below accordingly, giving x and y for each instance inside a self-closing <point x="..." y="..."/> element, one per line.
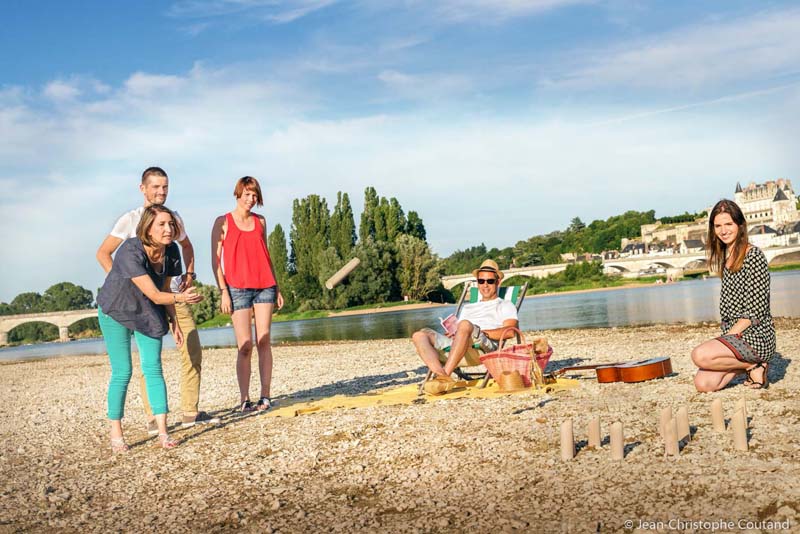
<point x="245" y="257"/>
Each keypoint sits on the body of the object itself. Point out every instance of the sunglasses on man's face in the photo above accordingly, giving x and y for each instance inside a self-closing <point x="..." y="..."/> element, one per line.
<point x="490" y="281"/>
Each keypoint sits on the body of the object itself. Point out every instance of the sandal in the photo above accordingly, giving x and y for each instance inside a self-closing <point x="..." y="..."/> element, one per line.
<point x="246" y="406"/>
<point x="264" y="404"/>
<point x="754" y="384"/>
<point x="118" y="445"/>
<point x="166" y="442"/>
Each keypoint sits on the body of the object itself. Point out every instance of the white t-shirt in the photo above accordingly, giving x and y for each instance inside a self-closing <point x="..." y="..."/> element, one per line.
<point x="125" y="228"/>
<point x="488" y="314"/>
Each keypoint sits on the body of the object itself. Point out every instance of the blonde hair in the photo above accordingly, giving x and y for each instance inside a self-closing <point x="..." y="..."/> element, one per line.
<point x="717" y="250"/>
<point x="148" y="217"/>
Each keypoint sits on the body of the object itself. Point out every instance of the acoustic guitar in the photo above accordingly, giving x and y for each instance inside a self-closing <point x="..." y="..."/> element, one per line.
<point x="625" y="372"/>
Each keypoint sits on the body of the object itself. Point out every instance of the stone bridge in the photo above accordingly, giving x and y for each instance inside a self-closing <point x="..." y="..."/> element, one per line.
<point x="62" y="320"/>
<point x="697" y="260"/>
<point x="631" y="264"/>
<point x="640" y="262"/>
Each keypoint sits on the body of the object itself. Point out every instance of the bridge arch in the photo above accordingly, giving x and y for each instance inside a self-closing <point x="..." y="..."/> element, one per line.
<point x="617" y="269"/>
<point x="789" y="257"/>
<point x="701" y="263"/>
<point x="663" y="264"/>
<point x="46" y="330"/>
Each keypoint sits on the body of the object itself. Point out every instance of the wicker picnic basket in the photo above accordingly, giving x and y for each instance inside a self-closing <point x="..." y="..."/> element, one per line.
<point x="515" y="357"/>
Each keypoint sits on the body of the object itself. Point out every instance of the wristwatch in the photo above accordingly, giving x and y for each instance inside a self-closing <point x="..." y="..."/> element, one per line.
<point x="191" y="275"/>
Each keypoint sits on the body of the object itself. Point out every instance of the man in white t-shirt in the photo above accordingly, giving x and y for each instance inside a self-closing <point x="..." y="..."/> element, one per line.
<point x="154" y="188"/>
<point x="481" y="322"/>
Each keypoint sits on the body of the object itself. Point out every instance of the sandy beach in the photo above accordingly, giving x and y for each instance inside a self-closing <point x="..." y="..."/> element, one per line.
<point x="478" y="465"/>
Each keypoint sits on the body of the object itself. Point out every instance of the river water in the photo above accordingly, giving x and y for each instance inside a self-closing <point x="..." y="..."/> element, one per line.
<point x="684" y="302"/>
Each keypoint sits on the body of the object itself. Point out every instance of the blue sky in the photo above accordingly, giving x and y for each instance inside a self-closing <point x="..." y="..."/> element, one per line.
<point x="495" y="120"/>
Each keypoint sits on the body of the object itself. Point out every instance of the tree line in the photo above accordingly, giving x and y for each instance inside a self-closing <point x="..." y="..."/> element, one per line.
<point x="396" y="260"/>
<point x="598" y="236"/>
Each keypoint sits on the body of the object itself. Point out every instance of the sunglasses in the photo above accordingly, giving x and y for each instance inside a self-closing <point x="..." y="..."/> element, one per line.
<point x="490" y="281"/>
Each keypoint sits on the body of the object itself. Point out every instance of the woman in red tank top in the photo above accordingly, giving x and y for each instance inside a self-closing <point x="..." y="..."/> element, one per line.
<point x="246" y="279"/>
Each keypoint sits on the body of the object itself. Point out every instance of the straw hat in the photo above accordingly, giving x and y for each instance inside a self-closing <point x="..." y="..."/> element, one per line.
<point x="510" y="381"/>
<point x="488" y="266"/>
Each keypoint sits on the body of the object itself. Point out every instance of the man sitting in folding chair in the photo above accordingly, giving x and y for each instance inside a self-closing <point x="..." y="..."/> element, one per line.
<point x="480" y="323"/>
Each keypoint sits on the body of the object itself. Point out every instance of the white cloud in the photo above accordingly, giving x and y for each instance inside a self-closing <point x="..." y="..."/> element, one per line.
<point x="425" y="87"/>
<point x="708" y="54"/>
<point x="59" y="90"/>
<point x="144" y="84"/>
<point x="275" y="11"/>
<point x="494" y="10"/>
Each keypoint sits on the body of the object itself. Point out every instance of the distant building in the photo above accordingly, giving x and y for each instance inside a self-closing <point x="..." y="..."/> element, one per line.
<point x="761" y="235"/>
<point x="631" y="247"/>
<point x="692" y="246"/>
<point x="773" y="202"/>
<point x="662" y="237"/>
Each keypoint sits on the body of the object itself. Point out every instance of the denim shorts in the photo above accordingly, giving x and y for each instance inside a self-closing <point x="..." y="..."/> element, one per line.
<point x="244" y="299"/>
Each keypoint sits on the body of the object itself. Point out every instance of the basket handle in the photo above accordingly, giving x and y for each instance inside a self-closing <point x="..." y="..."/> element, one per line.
<point x="503" y="335"/>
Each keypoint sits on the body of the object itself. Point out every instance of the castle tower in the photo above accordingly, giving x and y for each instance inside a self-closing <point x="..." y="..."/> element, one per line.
<point x="784" y="207"/>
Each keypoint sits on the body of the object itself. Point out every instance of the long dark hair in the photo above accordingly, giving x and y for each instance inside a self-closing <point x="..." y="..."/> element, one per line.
<point x="717" y="250"/>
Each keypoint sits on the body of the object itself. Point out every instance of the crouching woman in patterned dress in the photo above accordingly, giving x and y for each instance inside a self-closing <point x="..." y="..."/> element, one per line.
<point x="747" y="342"/>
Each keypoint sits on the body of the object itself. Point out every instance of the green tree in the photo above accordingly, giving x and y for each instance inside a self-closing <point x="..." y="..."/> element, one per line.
<point x="207" y="308"/>
<point x="462" y="261"/>
<point x="366" y="228"/>
<point x="373" y="282"/>
<point x="30" y="302"/>
<point x="67" y="296"/>
<point x="310" y="233"/>
<point x="329" y="262"/>
<point x="394" y="219"/>
<point x="414" y="226"/>
<point x="33" y="332"/>
<point x="278" y="253"/>
<point x="343" y="226"/>
<point x="418" y="270"/>
<point x="379" y="216"/>
<point x="685" y="217"/>
<point x="576" y="225"/>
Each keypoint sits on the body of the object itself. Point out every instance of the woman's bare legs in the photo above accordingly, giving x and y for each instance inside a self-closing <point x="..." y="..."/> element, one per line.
<point x="717" y="366"/>
<point x="244" y="343"/>
<point x="263" y="313"/>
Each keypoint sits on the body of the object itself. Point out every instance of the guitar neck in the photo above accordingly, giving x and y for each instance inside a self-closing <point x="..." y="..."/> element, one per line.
<point x="583" y="368"/>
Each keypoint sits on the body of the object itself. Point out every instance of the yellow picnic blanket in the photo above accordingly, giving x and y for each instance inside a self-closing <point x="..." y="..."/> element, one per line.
<point x="406" y="395"/>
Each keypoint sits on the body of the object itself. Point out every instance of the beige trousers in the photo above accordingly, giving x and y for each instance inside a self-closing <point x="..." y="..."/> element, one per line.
<point x="191" y="359"/>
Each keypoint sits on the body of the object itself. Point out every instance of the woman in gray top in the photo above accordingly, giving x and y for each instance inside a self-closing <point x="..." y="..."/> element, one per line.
<point x="136" y="300"/>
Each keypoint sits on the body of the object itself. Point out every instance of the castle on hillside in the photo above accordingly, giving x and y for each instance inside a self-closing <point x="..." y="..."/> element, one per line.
<point x="773" y="202"/>
<point x="770" y="210"/>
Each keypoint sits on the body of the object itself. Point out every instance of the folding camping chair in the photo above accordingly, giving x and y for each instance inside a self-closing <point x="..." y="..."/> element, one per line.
<point x="470" y="295"/>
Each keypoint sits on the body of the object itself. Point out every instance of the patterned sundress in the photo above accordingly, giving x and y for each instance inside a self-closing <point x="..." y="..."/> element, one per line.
<point x="745" y="295"/>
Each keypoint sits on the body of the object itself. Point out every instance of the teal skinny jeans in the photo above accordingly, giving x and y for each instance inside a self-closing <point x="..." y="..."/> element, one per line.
<point x="118" y="345"/>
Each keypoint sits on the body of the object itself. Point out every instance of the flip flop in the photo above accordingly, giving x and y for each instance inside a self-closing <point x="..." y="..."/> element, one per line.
<point x="754" y="384"/>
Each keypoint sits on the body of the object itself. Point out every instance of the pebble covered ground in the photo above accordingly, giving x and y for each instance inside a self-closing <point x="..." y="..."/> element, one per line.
<point x="485" y="465"/>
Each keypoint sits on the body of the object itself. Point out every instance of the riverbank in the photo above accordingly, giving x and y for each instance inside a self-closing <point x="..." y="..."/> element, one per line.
<point x="449" y="466"/>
